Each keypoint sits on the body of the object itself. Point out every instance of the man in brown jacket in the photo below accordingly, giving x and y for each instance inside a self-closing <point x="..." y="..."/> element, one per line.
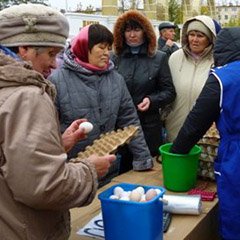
<point x="38" y="186"/>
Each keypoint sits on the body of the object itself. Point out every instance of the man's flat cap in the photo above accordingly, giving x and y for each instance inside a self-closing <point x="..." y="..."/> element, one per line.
<point x="166" y="25"/>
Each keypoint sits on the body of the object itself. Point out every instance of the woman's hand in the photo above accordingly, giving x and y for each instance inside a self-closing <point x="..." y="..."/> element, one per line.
<point x="73" y="134"/>
<point x="144" y="105"/>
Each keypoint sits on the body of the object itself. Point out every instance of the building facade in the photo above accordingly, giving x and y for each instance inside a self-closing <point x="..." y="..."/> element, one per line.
<point x="79" y="20"/>
<point x="228" y="13"/>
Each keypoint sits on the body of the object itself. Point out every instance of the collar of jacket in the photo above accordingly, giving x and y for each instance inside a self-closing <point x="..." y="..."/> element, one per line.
<point x="127" y="50"/>
<point x="161" y="42"/>
<point x="19" y="73"/>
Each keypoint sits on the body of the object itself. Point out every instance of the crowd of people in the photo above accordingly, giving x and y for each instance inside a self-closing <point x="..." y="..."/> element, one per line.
<point x="112" y="79"/>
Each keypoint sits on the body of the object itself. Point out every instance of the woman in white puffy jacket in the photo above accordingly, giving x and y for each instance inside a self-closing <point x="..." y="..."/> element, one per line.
<point x="190" y="67"/>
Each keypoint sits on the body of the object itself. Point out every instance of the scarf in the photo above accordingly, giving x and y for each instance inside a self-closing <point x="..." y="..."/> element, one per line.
<point x="79" y="47"/>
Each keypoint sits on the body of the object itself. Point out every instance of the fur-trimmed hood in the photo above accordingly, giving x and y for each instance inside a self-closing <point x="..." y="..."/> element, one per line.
<point x="149" y="33"/>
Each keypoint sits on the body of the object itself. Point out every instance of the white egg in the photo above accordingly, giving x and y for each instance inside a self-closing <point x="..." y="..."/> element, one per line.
<point x="118" y="191"/>
<point x="143" y="198"/>
<point x="124" y="198"/>
<point x="140" y="190"/>
<point x="150" y="194"/>
<point x="114" y="197"/>
<point x="124" y="194"/>
<point x="129" y="192"/>
<point x="158" y="191"/>
<point x="86" y="127"/>
<point x="135" y="196"/>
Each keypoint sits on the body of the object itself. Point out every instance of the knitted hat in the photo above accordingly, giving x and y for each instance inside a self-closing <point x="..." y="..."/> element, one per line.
<point x="32" y="25"/>
<point x="199" y="26"/>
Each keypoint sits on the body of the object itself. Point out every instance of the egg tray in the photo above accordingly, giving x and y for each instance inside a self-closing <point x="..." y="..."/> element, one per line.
<point x="211" y="137"/>
<point x="209" y="144"/>
<point x="210" y="151"/>
<point x="206" y="141"/>
<point x="206" y="170"/>
<point x="109" y="142"/>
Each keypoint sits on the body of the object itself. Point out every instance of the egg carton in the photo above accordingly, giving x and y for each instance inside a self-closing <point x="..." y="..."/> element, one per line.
<point x="212" y="132"/>
<point x="206" y="166"/>
<point x="207" y="158"/>
<point x="211" y="137"/>
<point x="208" y="150"/>
<point x="206" y="170"/>
<point x="205" y="141"/>
<point x="209" y="144"/>
<point x="109" y="142"/>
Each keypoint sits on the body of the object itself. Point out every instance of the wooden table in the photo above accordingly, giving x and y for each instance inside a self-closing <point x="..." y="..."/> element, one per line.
<point x="189" y="227"/>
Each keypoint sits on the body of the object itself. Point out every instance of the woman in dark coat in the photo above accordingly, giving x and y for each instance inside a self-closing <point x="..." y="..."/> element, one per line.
<point x="145" y="71"/>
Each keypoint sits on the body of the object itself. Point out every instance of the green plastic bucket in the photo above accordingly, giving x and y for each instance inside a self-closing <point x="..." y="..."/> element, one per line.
<point x="179" y="170"/>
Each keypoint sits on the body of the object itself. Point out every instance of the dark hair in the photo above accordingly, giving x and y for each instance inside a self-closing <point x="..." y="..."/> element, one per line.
<point x="99" y="34"/>
<point x="132" y="24"/>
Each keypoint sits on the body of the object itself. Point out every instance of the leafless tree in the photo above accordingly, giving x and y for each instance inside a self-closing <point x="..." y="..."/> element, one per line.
<point x="128" y="4"/>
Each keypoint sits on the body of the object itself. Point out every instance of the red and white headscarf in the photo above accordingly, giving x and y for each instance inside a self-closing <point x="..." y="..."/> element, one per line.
<point x="79" y="47"/>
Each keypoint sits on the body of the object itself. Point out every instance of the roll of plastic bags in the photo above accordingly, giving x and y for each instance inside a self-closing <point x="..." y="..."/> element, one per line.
<point x="180" y="204"/>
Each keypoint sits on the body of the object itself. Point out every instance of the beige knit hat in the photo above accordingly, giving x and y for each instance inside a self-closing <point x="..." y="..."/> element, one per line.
<point x="199" y="26"/>
<point x="32" y="25"/>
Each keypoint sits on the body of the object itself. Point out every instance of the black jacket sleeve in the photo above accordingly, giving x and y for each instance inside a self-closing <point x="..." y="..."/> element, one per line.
<point x="199" y="120"/>
<point x="165" y="93"/>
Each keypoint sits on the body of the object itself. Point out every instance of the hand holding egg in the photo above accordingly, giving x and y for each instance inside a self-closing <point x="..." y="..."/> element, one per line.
<point x="86" y="127"/>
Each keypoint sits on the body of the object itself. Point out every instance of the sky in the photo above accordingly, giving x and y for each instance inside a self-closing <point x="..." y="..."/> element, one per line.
<point x="72" y="4"/>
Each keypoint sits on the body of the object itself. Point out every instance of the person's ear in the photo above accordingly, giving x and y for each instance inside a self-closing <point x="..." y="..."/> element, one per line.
<point x="23" y="52"/>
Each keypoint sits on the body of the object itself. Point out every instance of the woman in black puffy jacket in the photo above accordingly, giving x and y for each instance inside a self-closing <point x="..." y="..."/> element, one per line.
<point x="146" y="72"/>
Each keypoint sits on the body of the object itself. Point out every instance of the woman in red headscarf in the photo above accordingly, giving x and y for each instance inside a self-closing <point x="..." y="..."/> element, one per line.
<point x="89" y="87"/>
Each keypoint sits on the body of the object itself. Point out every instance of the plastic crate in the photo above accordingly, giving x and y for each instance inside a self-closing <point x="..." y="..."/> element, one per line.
<point x="130" y="220"/>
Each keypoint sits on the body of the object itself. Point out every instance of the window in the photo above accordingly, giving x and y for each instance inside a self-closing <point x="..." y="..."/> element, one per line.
<point x="85" y="23"/>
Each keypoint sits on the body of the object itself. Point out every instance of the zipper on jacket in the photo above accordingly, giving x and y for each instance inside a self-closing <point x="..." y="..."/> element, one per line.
<point x="190" y="97"/>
